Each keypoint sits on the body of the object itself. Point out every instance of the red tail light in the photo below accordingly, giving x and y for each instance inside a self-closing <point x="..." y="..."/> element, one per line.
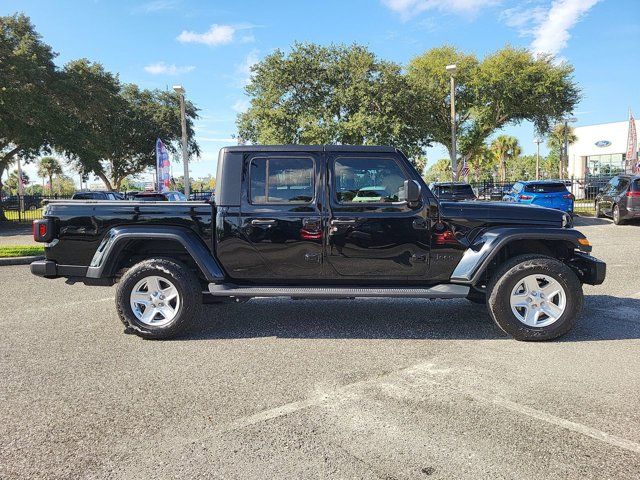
<point x="525" y="197"/>
<point x="633" y="194"/>
<point x="43" y="230"/>
<point x="568" y="196"/>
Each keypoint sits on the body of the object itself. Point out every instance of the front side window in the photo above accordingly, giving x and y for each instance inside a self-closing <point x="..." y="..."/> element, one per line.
<point x="281" y="180"/>
<point x="368" y="180"/>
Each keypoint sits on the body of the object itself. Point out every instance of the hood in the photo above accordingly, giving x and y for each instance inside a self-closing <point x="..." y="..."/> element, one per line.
<point x="503" y="213"/>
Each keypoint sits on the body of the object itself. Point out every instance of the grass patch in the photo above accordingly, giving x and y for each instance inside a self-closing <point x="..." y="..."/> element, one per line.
<point x="21" y="251"/>
<point x="25" y="216"/>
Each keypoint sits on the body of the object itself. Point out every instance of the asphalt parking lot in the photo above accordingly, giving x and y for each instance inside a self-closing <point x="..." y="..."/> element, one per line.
<point x="321" y="389"/>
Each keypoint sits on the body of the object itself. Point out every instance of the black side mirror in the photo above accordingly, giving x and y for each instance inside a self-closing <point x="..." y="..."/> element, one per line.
<point x="412" y="190"/>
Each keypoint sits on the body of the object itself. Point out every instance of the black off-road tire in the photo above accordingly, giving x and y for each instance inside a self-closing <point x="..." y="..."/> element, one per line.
<point x="185" y="281"/>
<point x="598" y="213"/>
<point x="615" y="213"/>
<point x="513" y="271"/>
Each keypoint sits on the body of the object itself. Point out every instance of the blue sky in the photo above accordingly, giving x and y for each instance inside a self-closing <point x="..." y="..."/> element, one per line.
<point x="208" y="46"/>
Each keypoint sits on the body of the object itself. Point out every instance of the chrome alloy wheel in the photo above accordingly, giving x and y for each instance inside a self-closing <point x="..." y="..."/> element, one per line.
<point x="538" y="300"/>
<point x="155" y="301"/>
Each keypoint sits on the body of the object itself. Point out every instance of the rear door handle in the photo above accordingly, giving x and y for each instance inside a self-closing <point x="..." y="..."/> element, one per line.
<point x="263" y="221"/>
<point x="335" y="223"/>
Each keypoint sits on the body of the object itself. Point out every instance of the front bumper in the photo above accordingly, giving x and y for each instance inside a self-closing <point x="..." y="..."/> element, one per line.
<point x="589" y="269"/>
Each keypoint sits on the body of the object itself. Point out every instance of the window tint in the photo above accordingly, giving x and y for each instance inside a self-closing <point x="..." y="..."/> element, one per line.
<point x="545" y="188"/>
<point x="368" y="180"/>
<point x="622" y="185"/>
<point x="281" y="180"/>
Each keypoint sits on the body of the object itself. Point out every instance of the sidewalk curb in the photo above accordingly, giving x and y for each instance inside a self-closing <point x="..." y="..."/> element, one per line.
<point x="20" y="260"/>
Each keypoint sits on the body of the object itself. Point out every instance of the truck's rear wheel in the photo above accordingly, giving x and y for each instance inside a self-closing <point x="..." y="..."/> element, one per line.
<point x="158" y="298"/>
<point x="534" y="298"/>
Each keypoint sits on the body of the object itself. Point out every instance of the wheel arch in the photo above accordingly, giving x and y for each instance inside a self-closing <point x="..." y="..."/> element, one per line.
<point x="494" y="247"/>
<point x="123" y="246"/>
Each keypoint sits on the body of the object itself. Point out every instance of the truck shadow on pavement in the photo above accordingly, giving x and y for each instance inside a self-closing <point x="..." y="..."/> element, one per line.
<point x="604" y="317"/>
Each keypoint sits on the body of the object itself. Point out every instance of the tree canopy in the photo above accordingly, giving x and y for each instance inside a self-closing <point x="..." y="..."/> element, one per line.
<point x="507" y="87"/>
<point x="103" y="126"/>
<point x="335" y="94"/>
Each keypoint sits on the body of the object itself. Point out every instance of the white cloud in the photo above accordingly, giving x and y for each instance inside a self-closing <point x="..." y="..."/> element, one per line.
<point x="161" y="68"/>
<point x="243" y="70"/>
<point x="241" y="105"/>
<point x="552" y="33"/>
<point x="410" y="8"/>
<point x="216" y="35"/>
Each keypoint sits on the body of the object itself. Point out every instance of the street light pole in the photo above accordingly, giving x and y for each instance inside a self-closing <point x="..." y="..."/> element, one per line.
<point x="538" y="141"/>
<point x="454" y="154"/>
<point x="179" y="89"/>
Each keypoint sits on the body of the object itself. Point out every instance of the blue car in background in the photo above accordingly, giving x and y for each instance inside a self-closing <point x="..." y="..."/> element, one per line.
<point x="544" y="193"/>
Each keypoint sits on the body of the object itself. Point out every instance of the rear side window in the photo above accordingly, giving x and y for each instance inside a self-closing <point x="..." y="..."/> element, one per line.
<point x="281" y="180"/>
<point x="635" y="186"/>
<point x="368" y="180"/>
<point x="545" y="188"/>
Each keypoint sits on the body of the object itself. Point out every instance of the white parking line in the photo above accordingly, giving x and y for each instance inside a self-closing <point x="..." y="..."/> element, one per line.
<point x="420" y="374"/>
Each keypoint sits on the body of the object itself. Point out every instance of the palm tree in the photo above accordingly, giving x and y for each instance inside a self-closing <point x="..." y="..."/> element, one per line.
<point x="505" y="147"/>
<point x="48" y="167"/>
<point x="555" y="141"/>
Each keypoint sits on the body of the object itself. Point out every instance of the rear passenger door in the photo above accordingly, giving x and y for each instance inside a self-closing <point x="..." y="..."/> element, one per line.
<point x="281" y="216"/>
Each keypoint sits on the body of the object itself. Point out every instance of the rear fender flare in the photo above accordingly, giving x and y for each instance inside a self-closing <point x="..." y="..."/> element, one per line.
<point x="484" y="248"/>
<point x="116" y="239"/>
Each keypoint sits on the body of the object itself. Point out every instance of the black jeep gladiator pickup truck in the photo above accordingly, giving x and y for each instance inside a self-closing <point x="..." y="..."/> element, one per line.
<point x="321" y="222"/>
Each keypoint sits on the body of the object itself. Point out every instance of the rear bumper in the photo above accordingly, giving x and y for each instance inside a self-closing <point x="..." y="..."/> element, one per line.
<point x="50" y="269"/>
<point x="589" y="269"/>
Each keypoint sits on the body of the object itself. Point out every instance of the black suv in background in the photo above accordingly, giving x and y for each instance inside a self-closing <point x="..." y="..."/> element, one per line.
<point x="619" y="199"/>
<point x="31" y="202"/>
<point x="452" y="191"/>
<point x="97" y="195"/>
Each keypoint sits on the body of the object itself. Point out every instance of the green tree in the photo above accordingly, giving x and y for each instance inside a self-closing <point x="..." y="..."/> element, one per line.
<point x="29" y="92"/>
<point x="335" y="94"/>
<point x="47" y="168"/>
<point x="12" y="181"/>
<point x="439" y="171"/>
<point x="505" y="88"/>
<point x="555" y="142"/>
<point x="114" y="127"/>
<point x="482" y="163"/>
<point x="505" y="148"/>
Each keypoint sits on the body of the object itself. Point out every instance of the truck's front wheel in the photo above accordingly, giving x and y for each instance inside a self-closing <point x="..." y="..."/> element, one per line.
<point x="534" y="298"/>
<point x="158" y="298"/>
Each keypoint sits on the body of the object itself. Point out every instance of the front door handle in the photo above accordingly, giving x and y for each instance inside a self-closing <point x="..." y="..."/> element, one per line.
<point x="263" y="221"/>
<point x="335" y="223"/>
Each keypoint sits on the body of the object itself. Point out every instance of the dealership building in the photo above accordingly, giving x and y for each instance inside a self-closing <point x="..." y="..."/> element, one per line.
<point x="599" y="150"/>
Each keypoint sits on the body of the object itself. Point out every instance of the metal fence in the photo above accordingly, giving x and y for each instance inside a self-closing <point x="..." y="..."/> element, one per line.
<point x="26" y="208"/>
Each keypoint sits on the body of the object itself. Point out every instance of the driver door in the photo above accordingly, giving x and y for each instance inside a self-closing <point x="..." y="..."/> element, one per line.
<point x="372" y="233"/>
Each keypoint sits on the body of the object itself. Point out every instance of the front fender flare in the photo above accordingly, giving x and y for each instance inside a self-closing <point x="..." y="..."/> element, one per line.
<point x="116" y="239"/>
<point x="484" y="248"/>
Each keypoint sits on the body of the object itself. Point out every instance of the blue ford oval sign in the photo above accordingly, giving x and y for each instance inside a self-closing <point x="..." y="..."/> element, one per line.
<point x="603" y="143"/>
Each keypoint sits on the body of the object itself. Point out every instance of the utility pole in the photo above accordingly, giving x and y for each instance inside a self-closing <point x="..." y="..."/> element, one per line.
<point x="454" y="154"/>
<point x="20" y="187"/>
<point x="179" y="89"/>
<point x="538" y="141"/>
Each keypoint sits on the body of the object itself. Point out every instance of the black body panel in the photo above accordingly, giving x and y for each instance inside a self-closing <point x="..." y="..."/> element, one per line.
<point x="293" y="226"/>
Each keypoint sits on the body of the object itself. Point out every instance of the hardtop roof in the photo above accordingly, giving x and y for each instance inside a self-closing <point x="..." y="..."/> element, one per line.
<point x="311" y="148"/>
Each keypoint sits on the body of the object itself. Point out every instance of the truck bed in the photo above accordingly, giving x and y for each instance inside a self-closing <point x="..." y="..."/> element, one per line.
<point x="82" y="224"/>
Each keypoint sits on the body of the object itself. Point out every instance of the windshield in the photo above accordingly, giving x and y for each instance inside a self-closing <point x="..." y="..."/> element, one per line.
<point x="545" y="188"/>
<point x="455" y="189"/>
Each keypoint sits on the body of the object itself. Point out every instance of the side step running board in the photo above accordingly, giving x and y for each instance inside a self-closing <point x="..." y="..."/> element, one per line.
<point x="438" y="291"/>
